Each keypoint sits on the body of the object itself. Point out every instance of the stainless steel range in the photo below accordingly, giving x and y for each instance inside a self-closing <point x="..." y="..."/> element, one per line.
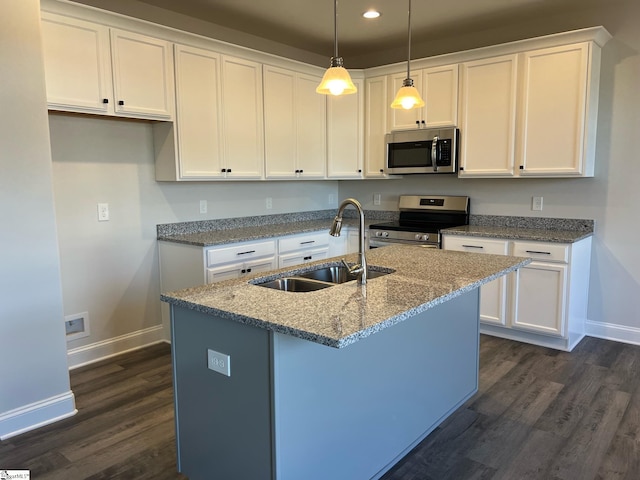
<point x="421" y="219"/>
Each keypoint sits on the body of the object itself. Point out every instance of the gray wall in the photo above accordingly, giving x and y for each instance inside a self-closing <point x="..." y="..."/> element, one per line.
<point x="34" y="364"/>
<point x="110" y="269"/>
<point x="612" y="197"/>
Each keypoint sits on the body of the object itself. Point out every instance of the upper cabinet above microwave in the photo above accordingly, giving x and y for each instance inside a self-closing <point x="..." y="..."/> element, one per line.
<point x="90" y="68"/>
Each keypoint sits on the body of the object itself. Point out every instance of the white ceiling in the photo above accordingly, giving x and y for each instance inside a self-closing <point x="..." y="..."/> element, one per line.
<point x="308" y="24"/>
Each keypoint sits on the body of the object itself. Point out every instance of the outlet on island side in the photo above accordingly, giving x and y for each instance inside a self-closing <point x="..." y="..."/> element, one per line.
<point x="219" y="362"/>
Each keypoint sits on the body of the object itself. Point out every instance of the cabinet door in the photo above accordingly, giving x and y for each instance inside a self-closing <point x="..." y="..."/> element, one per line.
<point x="77" y="68"/>
<point x="493" y="295"/>
<point x="224" y="272"/>
<point x="553" y="111"/>
<point x="298" y="258"/>
<point x="400" y="119"/>
<point x="345" y="132"/>
<point x="143" y="75"/>
<point x="487" y="124"/>
<point x="243" y="130"/>
<point x="440" y="93"/>
<point x="261" y="265"/>
<point x="198" y="112"/>
<point x="311" y="127"/>
<point x="279" y="122"/>
<point x="376" y="125"/>
<point x="540" y="291"/>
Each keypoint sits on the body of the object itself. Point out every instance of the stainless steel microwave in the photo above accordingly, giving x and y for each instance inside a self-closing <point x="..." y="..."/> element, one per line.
<point x="422" y="150"/>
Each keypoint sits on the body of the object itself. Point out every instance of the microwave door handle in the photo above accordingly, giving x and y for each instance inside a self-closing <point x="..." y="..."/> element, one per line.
<point x="434" y="153"/>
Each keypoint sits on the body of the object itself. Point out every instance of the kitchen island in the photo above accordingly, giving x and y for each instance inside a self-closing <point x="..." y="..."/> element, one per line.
<point x="335" y="383"/>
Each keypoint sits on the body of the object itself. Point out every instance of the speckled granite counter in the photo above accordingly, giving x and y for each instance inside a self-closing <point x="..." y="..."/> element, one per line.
<point x="230" y="230"/>
<point x="514" y="233"/>
<point x="342" y="314"/>
<point x="557" y="230"/>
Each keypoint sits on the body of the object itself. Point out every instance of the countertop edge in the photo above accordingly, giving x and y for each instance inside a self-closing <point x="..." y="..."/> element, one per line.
<point x="349" y="339"/>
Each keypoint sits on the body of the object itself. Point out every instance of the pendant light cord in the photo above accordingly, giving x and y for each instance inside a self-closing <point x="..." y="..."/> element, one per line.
<point x="335" y="29"/>
<point x="409" y="47"/>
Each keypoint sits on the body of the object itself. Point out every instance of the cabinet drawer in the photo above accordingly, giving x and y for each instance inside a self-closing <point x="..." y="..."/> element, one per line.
<point x="548" y="252"/>
<point x="239" y="252"/>
<point x="300" y="242"/>
<point x="476" y="245"/>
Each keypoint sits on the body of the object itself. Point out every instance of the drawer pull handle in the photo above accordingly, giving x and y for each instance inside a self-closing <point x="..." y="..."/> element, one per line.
<point x="245" y="253"/>
<point x="308" y="258"/>
<point x="538" y="252"/>
<point x="307" y="242"/>
<point x="473" y="246"/>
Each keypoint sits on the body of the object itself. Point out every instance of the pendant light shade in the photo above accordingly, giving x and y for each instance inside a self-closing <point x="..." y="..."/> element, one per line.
<point x="408" y="96"/>
<point x="336" y="80"/>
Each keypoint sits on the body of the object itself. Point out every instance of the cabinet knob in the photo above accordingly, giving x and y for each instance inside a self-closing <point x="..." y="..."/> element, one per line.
<point x="521" y="167"/>
<point x="301" y="171"/>
<point x="461" y="168"/>
<point x="223" y="170"/>
<point x="297" y="171"/>
<point x="423" y="123"/>
<point x="120" y="102"/>
<point x="105" y="100"/>
<point x="418" y="123"/>
<point x="382" y="170"/>
<point x="228" y="170"/>
<point x="359" y="170"/>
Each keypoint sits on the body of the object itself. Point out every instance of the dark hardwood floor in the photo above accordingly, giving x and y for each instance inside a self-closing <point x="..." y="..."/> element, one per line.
<point x="539" y="414"/>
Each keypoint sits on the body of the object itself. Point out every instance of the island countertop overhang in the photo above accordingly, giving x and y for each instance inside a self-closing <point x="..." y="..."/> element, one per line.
<point x="342" y="314"/>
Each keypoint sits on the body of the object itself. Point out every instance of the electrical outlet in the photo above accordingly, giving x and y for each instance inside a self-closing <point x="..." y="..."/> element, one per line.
<point x="269" y="203"/>
<point x="76" y="326"/>
<point x="536" y="203"/>
<point x="376" y="198"/>
<point x="103" y="212"/>
<point x="219" y="362"/>
<point x="203" y="206"/>
<point x="332" y="199"/>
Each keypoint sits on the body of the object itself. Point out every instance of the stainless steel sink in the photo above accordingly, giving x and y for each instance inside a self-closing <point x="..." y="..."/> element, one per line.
<point x="338" y="274"/>
<point x="296" y="284"/>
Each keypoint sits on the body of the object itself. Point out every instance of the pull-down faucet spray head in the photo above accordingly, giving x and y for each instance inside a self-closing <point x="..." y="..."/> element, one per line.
<point x="336" y="226"/>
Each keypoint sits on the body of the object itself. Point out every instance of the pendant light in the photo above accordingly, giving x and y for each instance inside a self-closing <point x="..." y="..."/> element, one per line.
<point x="336" y="80"/>
<point x="408" y="96"/>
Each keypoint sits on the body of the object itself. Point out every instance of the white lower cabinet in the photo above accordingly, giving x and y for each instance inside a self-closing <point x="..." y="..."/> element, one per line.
<point x="226" y="263"/>
<point x="545" y="302"/>
<point x="303" y="248"/>
<point x="493" y="299"/>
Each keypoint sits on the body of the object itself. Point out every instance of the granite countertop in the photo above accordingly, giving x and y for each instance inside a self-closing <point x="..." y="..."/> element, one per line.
<point x="220" y="237"/>
<point x="520" y="233"/>
<point x="340" y="315"/>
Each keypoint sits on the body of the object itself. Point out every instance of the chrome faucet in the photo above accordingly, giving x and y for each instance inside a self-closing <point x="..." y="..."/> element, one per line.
<point x="359" y="269"/>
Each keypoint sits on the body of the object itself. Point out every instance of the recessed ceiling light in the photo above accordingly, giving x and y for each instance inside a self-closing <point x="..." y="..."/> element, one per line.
<point x="371" y="14"/>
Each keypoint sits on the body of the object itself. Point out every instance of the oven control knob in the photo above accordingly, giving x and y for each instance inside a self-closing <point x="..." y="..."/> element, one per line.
<point x="385" y="234"/>
<point x="418" y="236"/>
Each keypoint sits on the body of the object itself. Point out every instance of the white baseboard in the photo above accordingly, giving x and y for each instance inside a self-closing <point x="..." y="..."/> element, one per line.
<point x="611" y="331"/>
<point x="77" y="357"/>
<point x="36" y="415"/>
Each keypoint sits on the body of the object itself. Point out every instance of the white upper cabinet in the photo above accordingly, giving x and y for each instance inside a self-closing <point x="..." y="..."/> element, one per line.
<point x="77" y="65"/>
<point x="375" y="126"/>
<point x="553" y="121"/>
<point x="532" y="114"/>
<point x="242" y="120"/>
<point x="142" y="75"/>
<point x="198" y="113"/>
<point x="438" y="87"/>
<point x="488" y="116"/>
<point x="345" y="133"/>
<point x="90" y="68"/>
<point x="294" y="123"/>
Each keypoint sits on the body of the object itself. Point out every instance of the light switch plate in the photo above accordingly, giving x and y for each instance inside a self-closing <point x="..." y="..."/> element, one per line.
<point x="219" y="362"/>
<point x="103" y="212"/>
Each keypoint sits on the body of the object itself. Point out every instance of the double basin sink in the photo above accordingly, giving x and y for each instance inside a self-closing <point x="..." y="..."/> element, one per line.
<point x="323" y="277"/>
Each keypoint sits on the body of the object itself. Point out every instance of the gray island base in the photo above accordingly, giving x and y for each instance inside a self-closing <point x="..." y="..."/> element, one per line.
<point x="298" y="409"/>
